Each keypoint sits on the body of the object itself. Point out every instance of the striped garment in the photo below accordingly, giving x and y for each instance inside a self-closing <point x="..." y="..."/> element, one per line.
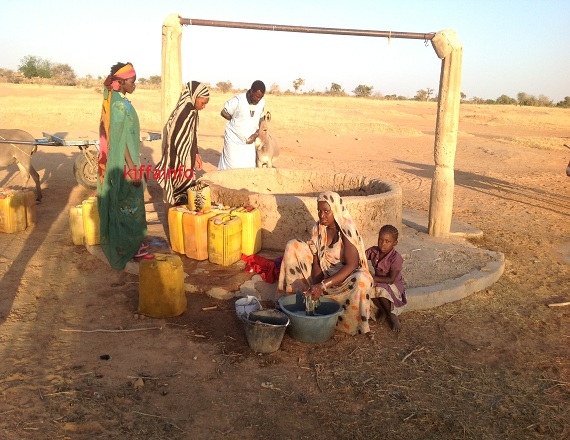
<point x="180" y="144"/>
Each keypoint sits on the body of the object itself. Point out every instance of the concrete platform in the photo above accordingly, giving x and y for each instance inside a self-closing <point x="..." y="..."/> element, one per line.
<point x="436" y="271"/>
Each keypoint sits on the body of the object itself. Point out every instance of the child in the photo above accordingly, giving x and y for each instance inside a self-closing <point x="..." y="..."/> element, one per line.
<point x="389" y="293"/>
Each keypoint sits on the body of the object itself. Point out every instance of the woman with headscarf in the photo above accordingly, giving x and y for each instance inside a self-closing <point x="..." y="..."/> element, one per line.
<point x="120" y="191"/>
<point x="332" y="263"/>
<point x="180" y="156"/>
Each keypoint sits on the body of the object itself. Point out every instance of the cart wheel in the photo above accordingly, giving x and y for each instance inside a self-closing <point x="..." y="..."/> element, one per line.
<point x="85" y="170"/>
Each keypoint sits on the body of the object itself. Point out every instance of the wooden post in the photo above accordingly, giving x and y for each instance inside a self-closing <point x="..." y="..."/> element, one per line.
<point x="171" y="84"/>
<point x="449" y="50"/>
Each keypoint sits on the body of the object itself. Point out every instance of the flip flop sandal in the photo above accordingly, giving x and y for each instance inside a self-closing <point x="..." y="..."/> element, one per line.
<point x="143" y="247"/>
<point x="141" y="253"/>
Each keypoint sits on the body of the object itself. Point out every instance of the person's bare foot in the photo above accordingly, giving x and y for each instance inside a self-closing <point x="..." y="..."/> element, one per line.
<point x="380" y="316"/>
<point x="396" y="326"/>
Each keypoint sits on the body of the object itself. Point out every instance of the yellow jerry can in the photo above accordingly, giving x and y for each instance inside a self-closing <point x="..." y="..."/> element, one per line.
<point x="224" y="239"/>
<point x="161" y="286"/>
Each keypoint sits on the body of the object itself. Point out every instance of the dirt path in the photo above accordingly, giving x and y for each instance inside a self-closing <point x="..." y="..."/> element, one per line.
<point x="494" y="365"/>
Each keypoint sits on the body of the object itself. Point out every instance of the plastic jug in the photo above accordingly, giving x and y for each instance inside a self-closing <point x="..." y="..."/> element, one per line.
<point x="76" y="224"/>
<point x="199" y="198"/>
<point x="161" y="286"/>
<point x="12" y="211"/>
<point x="224" y="239"/>
<point x="30" y="204"/>
<point x="175" y="228"/>
<point x="251" y="229"/>
<point x="195" y="229"/>
<point x="91" y="222"/>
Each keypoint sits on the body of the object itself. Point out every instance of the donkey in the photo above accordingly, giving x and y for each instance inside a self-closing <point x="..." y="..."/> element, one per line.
<point x="266" y="148"/>
<point x="21" y="153"/>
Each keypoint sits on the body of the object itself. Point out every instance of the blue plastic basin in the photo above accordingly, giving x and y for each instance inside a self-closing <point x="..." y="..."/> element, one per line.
<point x="312" y="329"/>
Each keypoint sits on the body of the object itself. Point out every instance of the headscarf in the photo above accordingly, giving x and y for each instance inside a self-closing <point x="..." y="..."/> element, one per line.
<point x="189" y="93"/>
<point x="180" y="140"/>
<point x="111" y="84"/>
<point x="344" y="222"/>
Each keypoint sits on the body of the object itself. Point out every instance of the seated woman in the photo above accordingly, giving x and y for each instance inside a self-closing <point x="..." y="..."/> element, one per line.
<point x="333" y="263"/>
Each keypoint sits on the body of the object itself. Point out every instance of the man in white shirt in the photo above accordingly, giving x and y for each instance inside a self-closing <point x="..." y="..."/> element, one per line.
<point x="244" y="113"/>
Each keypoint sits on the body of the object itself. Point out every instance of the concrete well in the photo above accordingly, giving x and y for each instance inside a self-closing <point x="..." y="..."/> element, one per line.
<point x="287" y="200"/>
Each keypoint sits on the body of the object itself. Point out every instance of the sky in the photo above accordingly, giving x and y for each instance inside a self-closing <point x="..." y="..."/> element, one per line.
<point x="509" y="46"/>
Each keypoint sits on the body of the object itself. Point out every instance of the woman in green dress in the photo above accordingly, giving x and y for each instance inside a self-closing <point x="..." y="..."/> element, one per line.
<point x="120" y="187"/>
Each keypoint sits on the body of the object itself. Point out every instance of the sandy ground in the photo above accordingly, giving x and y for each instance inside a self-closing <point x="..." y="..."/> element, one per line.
<point x="494" y="365"/>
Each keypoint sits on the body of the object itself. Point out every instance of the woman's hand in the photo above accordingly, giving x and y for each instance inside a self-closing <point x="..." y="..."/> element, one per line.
<point x="315" y="291"/>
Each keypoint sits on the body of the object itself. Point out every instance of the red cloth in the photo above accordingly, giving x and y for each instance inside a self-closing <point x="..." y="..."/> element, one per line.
<point x="258" y="264"/>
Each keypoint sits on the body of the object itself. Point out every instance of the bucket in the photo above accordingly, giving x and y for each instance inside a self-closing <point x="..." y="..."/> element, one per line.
<point x="312" y="329"/>
<point x="264" y="330"/>
<point x="246" y="305"/>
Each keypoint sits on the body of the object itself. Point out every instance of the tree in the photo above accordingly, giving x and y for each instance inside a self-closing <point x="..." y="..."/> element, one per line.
<point x="362" y="90"/>
<point x="298" y="83"/>
<point x="428" y="93"/>
<point x="526" y="99"/>
<point x="565" y="103"/>
<point x="274" y="89"/>
<point x="544" y="101"/>
<point x="336" y="89"/>
<point x="154" y="80"/>
<point x="33" y="67"/>
<point x="64" y="74"/>
<point x="421" y="95"/>
<point x="506" y="100"/>
<point x="224" y="86"/>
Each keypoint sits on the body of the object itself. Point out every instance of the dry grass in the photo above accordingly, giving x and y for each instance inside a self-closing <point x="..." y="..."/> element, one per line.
<point x="60" y="108"/>
<point x="540" y="143"/>
<point x="510" y="115"/>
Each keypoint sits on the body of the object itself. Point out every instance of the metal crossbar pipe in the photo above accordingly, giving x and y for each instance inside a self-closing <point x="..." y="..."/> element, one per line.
<point x="308" y="30"/>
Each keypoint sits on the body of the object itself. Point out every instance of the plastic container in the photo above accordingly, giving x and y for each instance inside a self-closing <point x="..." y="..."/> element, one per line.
<point x="313" y="329"/>
<point x="12" y="211"/>
<point x="251" y="229"/>
<point x="161" y="286"/>
<point x="30" y="204"/>
<point x="76" y="224"/>
<point x="91" y="222"/>
<point x="246" y="305"/>
<point x="264" y="330"/>
<point x="195" y="232"/>
<point x="175" y="228"/>
<point x="224" y="239"/>
<point x="199" y="198"/>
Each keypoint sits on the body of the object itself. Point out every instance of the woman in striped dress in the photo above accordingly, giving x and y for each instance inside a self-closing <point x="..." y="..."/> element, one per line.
<point x="180" y="157"/>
